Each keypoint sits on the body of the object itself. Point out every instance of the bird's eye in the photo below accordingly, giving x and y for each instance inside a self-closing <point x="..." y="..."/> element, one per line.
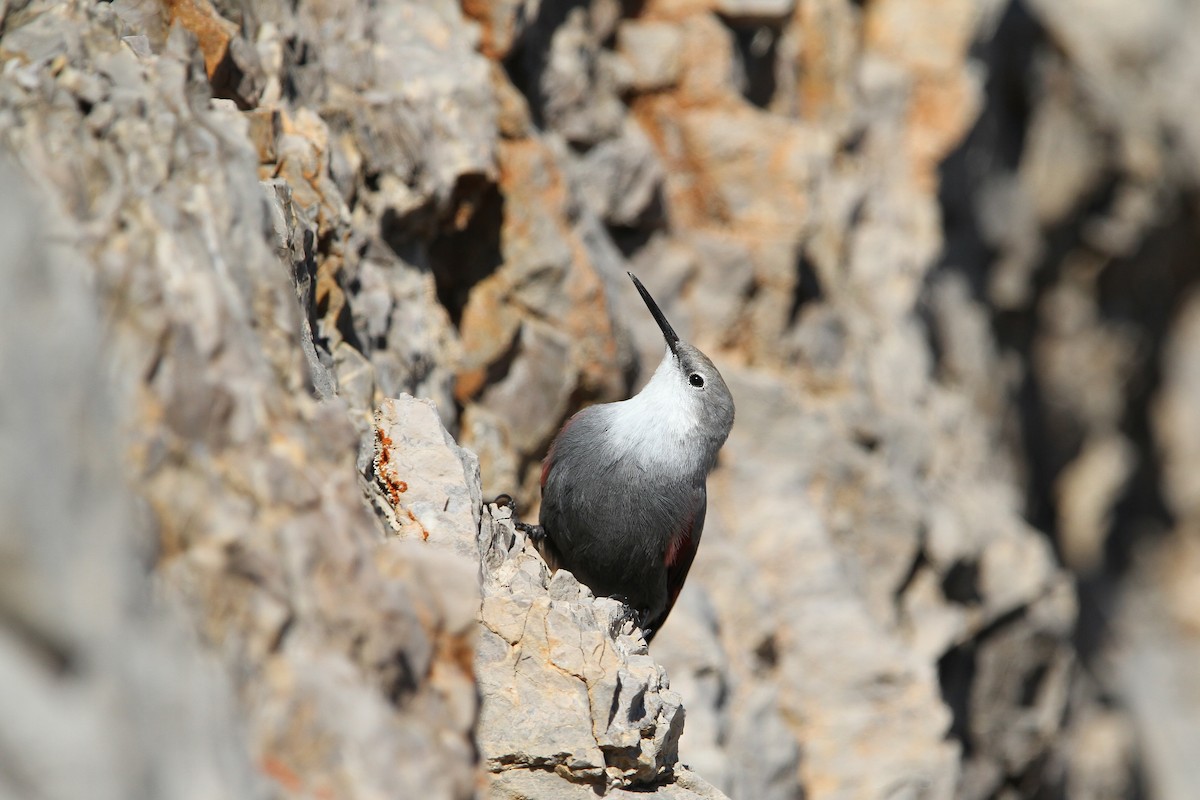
<point x="696" y="379"/>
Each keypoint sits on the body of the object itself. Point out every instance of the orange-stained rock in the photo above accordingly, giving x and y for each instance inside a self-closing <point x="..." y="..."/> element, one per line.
<point x="212" y="31"/>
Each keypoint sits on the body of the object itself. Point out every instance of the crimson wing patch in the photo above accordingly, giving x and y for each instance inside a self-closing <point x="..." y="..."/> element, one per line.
<point x="681" y="552"/>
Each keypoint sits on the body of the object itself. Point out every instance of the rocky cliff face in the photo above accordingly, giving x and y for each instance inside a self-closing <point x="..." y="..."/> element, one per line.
<point x="942" y="253"/>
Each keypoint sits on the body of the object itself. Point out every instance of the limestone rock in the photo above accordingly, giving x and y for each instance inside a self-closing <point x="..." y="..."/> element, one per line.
<point x="345" y="671"/>
<point x="567" y="683"/>
<point x="430" y="485"/>
<point x="938" y="249"/>
<point x="653" y="52"/>
<point x="623" y="179"/>
<point x="1073" y="242"/>
<point x="521" y="784"/>
<point x="107" y="691"/>
<point x="568" y="77"/>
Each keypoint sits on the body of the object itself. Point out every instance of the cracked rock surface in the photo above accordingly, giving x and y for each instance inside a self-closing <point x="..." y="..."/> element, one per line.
<point x="567" y="687"/>
<point x="569" y="684"/>
<point x="289" y="288"/>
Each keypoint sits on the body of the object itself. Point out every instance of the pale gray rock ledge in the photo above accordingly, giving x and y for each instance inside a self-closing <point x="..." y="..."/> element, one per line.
<point x="567" y="685"/>
<point x="570" y="700"/>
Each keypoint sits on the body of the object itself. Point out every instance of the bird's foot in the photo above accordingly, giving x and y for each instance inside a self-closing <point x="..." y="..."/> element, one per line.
<point x="536" y="533"/>
<point x="637" y="617"/>
<point x="644" y="621"/>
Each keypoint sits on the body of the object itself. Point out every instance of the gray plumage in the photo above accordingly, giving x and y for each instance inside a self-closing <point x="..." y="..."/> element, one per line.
<point x="623" y="485"/>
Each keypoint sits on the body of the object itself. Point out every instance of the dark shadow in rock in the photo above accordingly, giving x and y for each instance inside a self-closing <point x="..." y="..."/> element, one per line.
<point x="808" y="287"/>
<point x="304" y="279"/>
<point x="304" y="80"/>
<point x="961" y="583"/>
<point x="994" y="145"/>
<point x="526" y="61"/>
<point x="1147" y="291"/>
<point x="468" y="250"/>
<point x="755" y="45"/>
<point x="229" y="81"/>
<point x="629" y="239"/>
<point x="920" y="562"/>
<point x="461" y="246"/>
<point x="956" y="676"/>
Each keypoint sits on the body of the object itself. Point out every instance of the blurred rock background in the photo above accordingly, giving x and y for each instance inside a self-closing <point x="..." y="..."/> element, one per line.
<point x="944" y="253"/>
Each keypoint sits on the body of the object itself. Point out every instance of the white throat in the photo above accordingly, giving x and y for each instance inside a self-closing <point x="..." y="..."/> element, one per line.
<point x="658" y="425"/>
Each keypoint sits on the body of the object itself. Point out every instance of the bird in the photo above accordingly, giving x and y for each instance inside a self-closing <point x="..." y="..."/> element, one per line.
<point x="624" y="484"/>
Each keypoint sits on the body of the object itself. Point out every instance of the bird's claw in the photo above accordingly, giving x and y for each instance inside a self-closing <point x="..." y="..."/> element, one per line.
<point x="637" y="617"/>
<point x="536" y="533"/>
<point x="644" y="624"/>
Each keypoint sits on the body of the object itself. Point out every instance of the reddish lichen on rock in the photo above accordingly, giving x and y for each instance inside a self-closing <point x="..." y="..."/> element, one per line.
<point x="384" y="474"/>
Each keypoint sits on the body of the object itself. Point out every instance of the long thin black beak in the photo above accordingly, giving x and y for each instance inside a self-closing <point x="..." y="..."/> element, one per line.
<point x="668" y="332"/>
